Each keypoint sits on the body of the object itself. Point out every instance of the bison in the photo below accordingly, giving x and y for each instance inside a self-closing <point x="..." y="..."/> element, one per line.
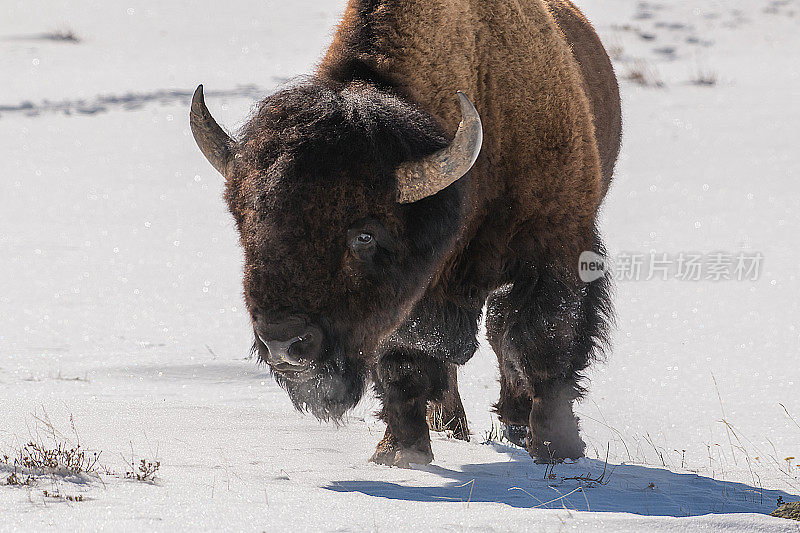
<point x="373" y="237"/>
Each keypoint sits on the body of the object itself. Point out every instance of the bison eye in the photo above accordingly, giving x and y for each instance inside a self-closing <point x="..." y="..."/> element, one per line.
<point x="363" y="242"/>
<point x="363" y="239"/>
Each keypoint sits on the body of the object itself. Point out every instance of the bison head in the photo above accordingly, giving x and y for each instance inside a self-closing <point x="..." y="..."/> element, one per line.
<point x="342" y="196"/>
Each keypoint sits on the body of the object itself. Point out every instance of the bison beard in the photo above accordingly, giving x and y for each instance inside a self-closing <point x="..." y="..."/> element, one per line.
<point x="336" y="386"/>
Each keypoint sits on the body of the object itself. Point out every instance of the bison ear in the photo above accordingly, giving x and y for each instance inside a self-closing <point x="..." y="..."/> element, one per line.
<point x="215" y="144"/>
<point x="419" y="179"/>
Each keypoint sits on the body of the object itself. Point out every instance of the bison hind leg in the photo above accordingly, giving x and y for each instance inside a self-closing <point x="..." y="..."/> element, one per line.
<point x="546" y="328"/>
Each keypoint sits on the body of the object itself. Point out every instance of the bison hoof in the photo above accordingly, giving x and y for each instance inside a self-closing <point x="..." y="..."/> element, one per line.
<point x="554" y="433"/>
<point x="391" y="453"/>
<point x="550" y="452"/>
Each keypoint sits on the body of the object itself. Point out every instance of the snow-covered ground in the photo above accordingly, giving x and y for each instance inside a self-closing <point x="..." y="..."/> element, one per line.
<point x="122" y="327"/>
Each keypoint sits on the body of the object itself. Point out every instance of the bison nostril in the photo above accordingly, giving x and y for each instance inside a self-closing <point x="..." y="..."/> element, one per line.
<point x="291" y="347"/>
<point x="282" y="350"/>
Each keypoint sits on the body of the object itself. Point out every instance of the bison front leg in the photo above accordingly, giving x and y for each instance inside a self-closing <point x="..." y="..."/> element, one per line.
<point x="448" y="414"/>
<point x="405" y="380"/>
<point x="446" y="327"/>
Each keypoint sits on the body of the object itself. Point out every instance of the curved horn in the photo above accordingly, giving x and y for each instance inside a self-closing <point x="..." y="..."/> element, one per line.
<point x="215" y="144"/>
<point x="419" y="179"/>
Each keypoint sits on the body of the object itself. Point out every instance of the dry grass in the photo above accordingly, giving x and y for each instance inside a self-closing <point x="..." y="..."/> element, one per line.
<point x="17" y="479"/>
<point x="56" y="495"/>
<point x="640" y="72"/>
<point x="36" y="459"/>
<point x="59" y="458"/>
<point x="50" y="455"/>
<point x="704" y="78"/>
<point x="590" y="481"/>
<point x="145" y="471"/>
<point x="615" y="51"/>
<point x="62" y="35"/>
<point x="614" y="47"/>
<point x="495" y="434"/>
<point x="453" y="427"/>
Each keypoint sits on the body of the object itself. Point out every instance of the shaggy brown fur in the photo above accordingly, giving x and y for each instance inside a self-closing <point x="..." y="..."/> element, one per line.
<point x="599" y="82"/>
<point x="315" y="169"/>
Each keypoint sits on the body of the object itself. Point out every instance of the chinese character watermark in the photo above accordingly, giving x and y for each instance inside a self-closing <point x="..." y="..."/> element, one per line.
<point x="715" y="266"/>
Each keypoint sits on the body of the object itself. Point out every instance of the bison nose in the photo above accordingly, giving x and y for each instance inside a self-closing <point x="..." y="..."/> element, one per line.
<point x="293" y="342"/>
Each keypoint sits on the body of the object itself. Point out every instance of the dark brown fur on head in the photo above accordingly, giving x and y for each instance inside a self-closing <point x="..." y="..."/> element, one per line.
<point x="315" y="162"/>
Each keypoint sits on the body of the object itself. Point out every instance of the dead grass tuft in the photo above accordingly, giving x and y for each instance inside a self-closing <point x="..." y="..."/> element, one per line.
<point x="37" y="459"/>
<point x="58" y="459"/>
<point x="495" y="434"/>
<point x="640" y="72"/>
<point x="704" y="78"/>
<point x="451" y="426"/>
<point x="145" y="471"/>
<point x="62" y="35"/>
<point x="17" y="479"/>
<point x="56" y="495"/>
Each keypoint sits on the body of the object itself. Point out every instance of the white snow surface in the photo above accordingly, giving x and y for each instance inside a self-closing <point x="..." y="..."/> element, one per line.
<point x="122" y="326"/>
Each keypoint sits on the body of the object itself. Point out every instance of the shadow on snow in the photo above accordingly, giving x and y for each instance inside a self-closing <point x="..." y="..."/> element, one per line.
<point x="636" y="489"/>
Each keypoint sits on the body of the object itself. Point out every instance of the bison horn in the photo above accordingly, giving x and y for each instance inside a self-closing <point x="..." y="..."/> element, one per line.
<point x="215" y="144"/>
<point x="419" y="179"/>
